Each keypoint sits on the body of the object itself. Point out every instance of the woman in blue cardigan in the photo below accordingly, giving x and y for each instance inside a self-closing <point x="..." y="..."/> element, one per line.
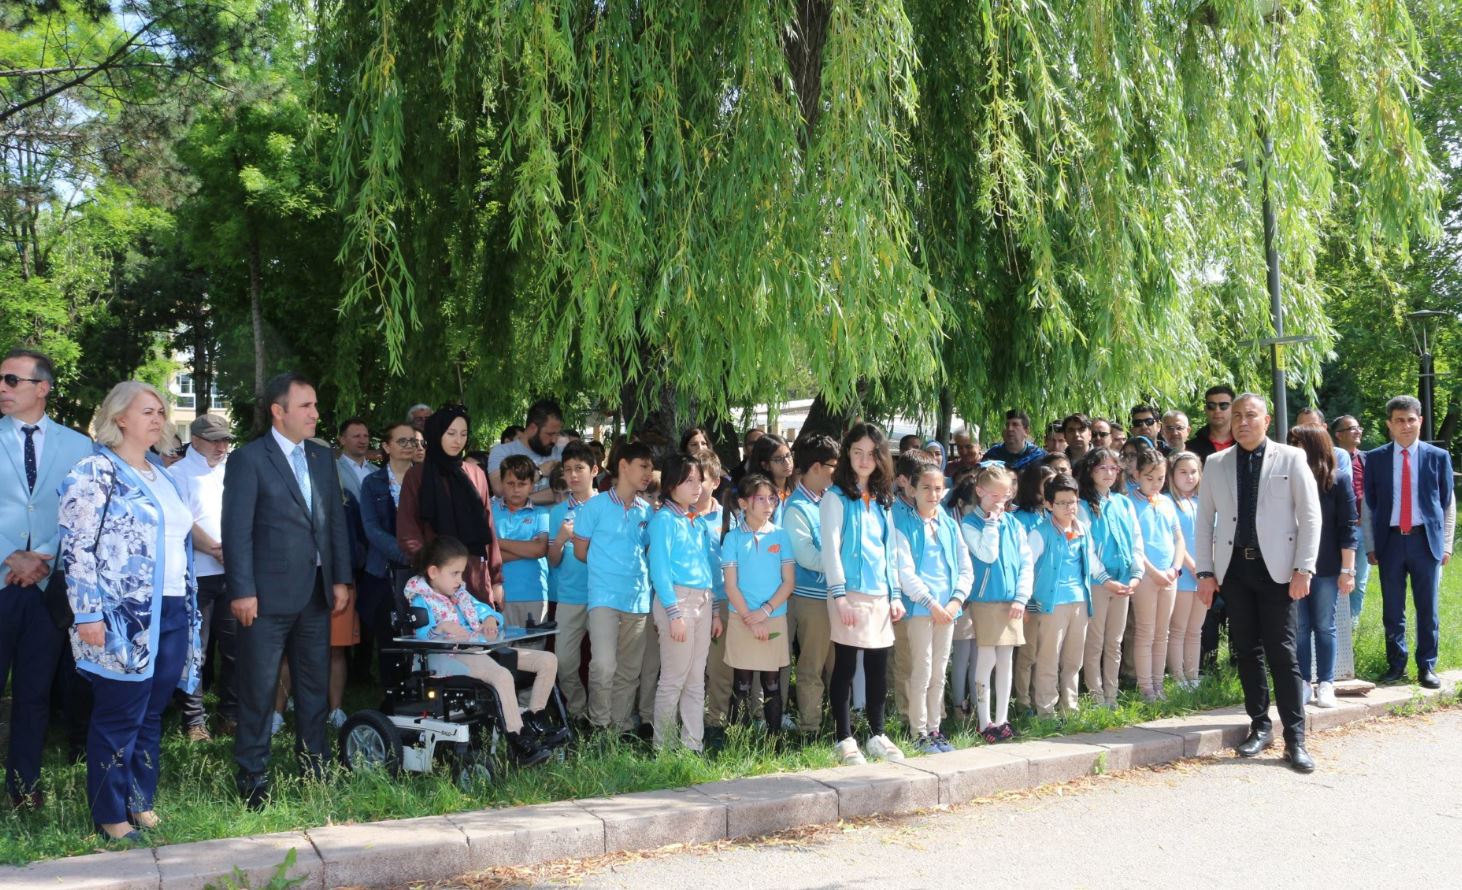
<point x="126" y="547"/>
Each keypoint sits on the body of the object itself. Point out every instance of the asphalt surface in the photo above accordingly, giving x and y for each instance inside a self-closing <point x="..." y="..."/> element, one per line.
<point x="1384" y="809"/>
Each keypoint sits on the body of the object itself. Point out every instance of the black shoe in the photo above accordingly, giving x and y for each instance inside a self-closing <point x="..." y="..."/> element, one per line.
<point x="526" y="750"/>
<point x="1299" y="759"/>
<point x="255" y="791"/>
<point x="1394" y="675"/>
<point x="536" y="723"/>
<point x="1258" y="740"/>
<point x="132" y="838"/>
<point x="1428" y="679"/>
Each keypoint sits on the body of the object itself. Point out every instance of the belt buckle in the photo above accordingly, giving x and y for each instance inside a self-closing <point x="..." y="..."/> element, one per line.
<point x="1251" y="553"/>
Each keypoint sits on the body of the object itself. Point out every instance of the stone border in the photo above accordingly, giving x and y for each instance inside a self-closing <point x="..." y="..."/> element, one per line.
<point x="441" y="847"/>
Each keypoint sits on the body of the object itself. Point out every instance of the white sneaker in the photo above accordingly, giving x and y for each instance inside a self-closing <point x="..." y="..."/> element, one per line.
<point x="277" y="725"/>
<point x="1307" y="692"/>
<point x="881" y="747"/>
<point x="1325" y="697"/>
<point x="848" y="753"/>
<point x="336" y="718"/>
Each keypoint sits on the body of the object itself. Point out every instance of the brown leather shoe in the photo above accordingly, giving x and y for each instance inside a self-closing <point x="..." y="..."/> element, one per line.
<point x="199" y="733"/>
<point x="33" y="800"/>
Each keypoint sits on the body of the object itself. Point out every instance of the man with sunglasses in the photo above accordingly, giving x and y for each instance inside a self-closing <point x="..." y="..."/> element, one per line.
<point x="1143" y="422"/>
<point x="38" y="454"/>
<point x="1217" y="434"/>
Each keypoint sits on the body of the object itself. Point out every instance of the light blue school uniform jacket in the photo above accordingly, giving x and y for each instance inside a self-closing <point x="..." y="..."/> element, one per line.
<point x="681" y="555"/>
<point x="1066" y="568"/>
<point x="1116" y="536"/>
<point x="804" y="527"/>
<point x="857" y="550"/>
<point x="1004" y="568"/>
<point x="932" y="561"/>
<point x="618" y="537"/>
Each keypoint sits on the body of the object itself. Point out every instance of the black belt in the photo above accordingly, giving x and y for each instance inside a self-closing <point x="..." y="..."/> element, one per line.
<point x="1415" y="529"/>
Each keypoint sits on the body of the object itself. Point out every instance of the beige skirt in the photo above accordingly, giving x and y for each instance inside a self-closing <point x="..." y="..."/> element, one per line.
<point x="745" y="652"/>
<point x="872" y="630"/>
<point x="964" y="627"/>
<point x="994" y="626"/>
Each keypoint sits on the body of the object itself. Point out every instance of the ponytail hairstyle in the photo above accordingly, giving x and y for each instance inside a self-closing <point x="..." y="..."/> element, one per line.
<point x="994" y="475"/>
<point x="438" y="552"/>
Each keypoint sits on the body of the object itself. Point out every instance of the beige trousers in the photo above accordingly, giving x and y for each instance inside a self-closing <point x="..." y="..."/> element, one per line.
<point x="1103" y="656"/>
<point x="719" y="675"/>
<point x="928" y="645"/>
<point x="1185" y="632"/>
<point x="1025" y="664"/>
<point x="1152" y="607"/>
<point x="814" y="659"/>
<point x="1062" y="635"/>
<point x="617" y="647"/>
<point x="542" y="665"/>
<point x="682" y="683"/>
<point x="899" y="667"/>
<point x="573" y="625"/>
<point x="517" y="614"/>
<point x="649" y="674"/>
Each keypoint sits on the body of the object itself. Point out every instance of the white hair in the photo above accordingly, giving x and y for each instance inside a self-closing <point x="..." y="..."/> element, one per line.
<point x="104" y="426"/>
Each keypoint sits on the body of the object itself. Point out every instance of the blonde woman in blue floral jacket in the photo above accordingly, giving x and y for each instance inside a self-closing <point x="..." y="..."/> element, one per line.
<point x="126" y="547"/>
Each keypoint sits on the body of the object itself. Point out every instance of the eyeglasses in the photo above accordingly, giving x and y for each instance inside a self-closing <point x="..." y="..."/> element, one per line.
<point x="783" y="459"/>
<point x="1144" y="421"/>
<point x="14" y="380"/>
<point x="410" y="443"/>
<point x="1217" y="406"/>
<point x="1349" y="429"/>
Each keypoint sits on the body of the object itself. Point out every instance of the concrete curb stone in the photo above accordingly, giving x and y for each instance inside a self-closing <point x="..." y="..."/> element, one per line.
<point x="651" y="819"/>
<point x="441" y="847"/>
<point x="767" y="804"/>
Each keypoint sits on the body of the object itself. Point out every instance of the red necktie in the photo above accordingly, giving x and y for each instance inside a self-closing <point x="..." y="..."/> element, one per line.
<point x="1405" y="491"/>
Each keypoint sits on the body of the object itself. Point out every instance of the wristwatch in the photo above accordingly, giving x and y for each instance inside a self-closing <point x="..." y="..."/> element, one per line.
<point x="1350" y="572"/>
<point x="1202" y="575"/>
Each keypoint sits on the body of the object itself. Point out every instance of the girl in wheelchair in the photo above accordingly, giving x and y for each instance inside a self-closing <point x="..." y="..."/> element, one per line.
<point x="454" y="614"/>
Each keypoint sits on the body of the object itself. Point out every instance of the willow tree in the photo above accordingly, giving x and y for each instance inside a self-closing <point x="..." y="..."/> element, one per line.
<point x="671" y="204"/>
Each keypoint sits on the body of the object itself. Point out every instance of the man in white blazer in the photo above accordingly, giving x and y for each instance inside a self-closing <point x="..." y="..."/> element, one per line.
<point x="1257" y="537"/>
<point x="38" y="454"/>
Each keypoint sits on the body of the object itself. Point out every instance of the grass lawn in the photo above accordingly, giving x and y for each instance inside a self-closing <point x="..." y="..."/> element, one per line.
<point x="197" y="799"/>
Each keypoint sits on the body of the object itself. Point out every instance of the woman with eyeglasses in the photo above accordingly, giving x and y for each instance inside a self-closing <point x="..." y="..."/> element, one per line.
<point x="380" y="494"/>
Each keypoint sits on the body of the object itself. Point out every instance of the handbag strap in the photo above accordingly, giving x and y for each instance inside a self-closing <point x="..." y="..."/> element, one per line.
<point x="95" y="545"/>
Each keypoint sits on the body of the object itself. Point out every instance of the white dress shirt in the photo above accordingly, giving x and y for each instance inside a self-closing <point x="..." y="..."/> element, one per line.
<point x="201" y="487"/>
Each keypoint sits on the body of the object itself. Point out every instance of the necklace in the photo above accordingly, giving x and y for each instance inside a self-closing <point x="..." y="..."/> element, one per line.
<point x="147" y="472"/>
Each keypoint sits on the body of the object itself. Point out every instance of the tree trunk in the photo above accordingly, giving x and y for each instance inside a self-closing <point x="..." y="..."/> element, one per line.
<point x="942" y="424"/>
<point x="802" y="46"/>
<point x="256" y="316"/>
<point x="823" y="420"/>
<point x="1448" y="430"/>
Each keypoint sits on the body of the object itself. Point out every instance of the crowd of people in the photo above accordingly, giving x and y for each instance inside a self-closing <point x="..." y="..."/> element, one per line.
<point x="805" y="579"/>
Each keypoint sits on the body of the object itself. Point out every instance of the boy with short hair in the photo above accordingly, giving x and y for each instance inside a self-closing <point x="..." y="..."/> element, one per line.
<point x="522" y="530"/>
<point x="610" y="536"/>
<point x="816" y="458"/>
<point x="568" y="576"/>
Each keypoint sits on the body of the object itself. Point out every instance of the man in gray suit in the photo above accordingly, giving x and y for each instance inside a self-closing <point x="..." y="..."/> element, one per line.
<point x="1257" y="537"/>
<point x="288" y="568"/>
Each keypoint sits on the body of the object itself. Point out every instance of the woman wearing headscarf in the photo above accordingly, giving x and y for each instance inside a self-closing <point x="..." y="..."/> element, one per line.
<point x="444" y="495"/>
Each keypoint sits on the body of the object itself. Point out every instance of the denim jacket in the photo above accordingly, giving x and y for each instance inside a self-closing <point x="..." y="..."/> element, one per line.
<point x="121" y="582"/>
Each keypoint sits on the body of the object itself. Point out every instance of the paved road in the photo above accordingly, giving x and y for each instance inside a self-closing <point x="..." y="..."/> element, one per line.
<point x="1385" y="809"/>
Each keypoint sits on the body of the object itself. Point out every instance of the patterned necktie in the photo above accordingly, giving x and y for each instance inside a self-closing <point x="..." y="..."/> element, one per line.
<point x="30" y="455"/>
<point x="301" y="473"/>
<point x="1405" y="491"/>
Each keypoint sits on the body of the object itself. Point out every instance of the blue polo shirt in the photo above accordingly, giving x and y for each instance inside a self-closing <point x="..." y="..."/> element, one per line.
<point x="568" y="582"/>
<point x="711" y="522"/>
<point x="618" y="536"/>
<point x="524" y="580"/>
<point x="1158" y="519"/>
<point x="680" y="553"/>
<point x="758" y="558"/>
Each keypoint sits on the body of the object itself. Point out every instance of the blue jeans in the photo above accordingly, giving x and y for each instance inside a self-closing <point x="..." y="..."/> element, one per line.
<point x="1317" y="617"/>
<point x="1358" y="596"/>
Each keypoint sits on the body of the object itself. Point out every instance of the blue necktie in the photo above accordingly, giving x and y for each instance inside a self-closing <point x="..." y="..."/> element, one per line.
<point x="30" y="455"/>
<point x="301" y="473"/>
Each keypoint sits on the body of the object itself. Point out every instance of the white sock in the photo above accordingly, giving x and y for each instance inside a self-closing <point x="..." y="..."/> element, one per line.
<point x="984" y="664"/>
<point x="1004" y="656"/>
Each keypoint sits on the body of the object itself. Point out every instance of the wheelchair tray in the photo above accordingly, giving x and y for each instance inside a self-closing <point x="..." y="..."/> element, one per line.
<point x="506" y="636"/>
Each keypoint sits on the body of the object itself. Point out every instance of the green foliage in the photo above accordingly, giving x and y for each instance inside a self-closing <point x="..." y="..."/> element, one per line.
<point x="279" y="880"/>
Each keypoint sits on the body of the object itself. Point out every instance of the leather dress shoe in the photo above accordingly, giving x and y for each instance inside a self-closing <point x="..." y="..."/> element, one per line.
<point x="1394" y="675"/>
<point x="255" y="791"/>
<point x="1257" y="741"/>
<point x="1299" y="759"/>
<point x="1428" y="679"/>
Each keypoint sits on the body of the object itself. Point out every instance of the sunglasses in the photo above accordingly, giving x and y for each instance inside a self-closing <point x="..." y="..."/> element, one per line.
<point x="1100" y="435"/>
<point x="1217" y="406"/>
<point x="1144" y="421"/>
<point x="1350" y="429"/>
<point x="14" y="380"/>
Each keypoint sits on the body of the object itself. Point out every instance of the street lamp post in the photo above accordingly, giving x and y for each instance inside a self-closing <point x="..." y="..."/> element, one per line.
<point x="1423" y="331"/>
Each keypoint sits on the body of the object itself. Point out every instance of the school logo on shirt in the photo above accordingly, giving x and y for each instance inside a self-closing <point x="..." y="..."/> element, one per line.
<point x="775" y="548"/>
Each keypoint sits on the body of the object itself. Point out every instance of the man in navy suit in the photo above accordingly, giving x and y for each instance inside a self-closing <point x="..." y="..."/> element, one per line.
<point x="288" y="568"/>
<point x="39" y="453"/>
<point x="1408" y="496"/>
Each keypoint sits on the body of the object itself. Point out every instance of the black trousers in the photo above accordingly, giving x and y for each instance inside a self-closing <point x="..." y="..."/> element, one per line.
<point x="218" y="623"/>
<point x="1262" y="622"/>
<point x="304" y="637"/>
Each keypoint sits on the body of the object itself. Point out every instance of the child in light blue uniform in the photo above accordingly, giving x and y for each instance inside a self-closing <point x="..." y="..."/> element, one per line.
<point x="1162" y="551"/>
<point x="757" y="566"/>
<point x="935" y="575"/>
<point x="681" y="571"/>
<point x="1185" y="630"/>
<point x="1004" y="578"/>
<point x="1030" y="511"/>
<point x="568" y="577"/>
<point x="522" y="531"/>
<point x="1111" y="521"/>
<point x="611" y="536"/>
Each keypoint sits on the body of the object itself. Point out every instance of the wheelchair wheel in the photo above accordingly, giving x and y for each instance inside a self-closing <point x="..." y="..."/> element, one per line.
<point x="369" y="740"/>
<point x="471" y="770"/>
